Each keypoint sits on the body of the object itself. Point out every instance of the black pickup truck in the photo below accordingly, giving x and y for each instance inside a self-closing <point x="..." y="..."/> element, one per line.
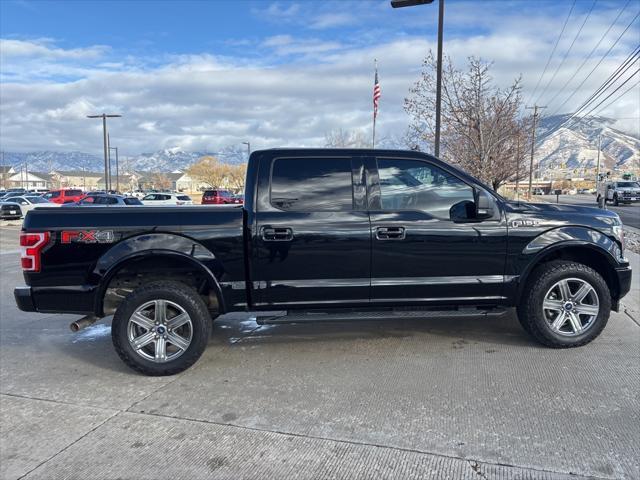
<point x="326" y="235"/>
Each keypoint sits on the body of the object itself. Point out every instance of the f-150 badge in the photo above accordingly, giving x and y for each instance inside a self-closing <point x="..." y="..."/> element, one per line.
<point x="87" y="236"/>
<point x="525" y="223"/>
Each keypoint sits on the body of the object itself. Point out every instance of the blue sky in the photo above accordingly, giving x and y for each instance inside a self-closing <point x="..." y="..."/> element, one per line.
<point x="205" y="74"/>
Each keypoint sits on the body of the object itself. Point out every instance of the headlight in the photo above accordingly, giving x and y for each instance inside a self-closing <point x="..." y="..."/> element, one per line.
<point x="618" y="232"/>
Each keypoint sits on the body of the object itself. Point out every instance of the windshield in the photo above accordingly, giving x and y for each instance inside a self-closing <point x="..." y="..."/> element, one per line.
<point x="36" y="200"/>
<point x="628" y="185"/>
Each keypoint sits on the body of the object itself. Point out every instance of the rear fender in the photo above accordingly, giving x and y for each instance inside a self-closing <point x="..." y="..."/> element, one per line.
<point x="157" y="245"/>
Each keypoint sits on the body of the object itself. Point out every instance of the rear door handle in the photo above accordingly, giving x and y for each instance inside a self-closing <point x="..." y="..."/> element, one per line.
<point x="277" y="234"/>
<point x="390" y="233"/>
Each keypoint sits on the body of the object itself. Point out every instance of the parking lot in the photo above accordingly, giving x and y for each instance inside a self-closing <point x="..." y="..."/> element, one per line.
<point x="431" y="398"/>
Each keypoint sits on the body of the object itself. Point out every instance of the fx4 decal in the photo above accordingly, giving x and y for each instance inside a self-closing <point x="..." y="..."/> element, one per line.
<point x="87" y="236"/>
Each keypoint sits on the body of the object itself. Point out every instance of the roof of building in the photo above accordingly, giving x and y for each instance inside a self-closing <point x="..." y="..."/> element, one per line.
<point x="77" y="173"/>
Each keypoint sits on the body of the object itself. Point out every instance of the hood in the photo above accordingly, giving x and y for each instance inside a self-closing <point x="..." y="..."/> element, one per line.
<point x="558" y="209"/>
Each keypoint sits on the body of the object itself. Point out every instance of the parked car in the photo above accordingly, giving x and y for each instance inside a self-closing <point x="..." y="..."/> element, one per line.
<point x="10" y="210"/>
<point x="104" y="200"/>
<point x="217" y="197"/>
<point x="38" y="191"/>
<point x="538" y="191"/>
<point x="10" y="195"/>
<point x="65" y="195"/>
<point x="29" y="202"/>
<point x="321" y="244"/>
<point x="238" y="198"/>
<point x="158" y="199"/>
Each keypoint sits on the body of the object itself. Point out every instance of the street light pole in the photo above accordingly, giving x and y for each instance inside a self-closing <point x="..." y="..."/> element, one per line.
<point x="104" y="117"/>
<point x="248" y="144"/>
<point x="411" y="3"/>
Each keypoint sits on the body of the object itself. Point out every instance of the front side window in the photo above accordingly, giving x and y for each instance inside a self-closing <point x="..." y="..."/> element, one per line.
<point x="72" y="193"/>
<point x="312" y="184"/>
<point x="150" y="197"/>
<point x="52" y="195"/>
<point x="417" y="185"/>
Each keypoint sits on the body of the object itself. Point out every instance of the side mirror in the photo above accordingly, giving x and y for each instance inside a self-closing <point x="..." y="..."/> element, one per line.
<point x="485" y="205"/>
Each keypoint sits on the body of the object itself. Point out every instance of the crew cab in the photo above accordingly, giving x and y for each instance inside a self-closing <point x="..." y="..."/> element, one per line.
<point x="324" y="235"/>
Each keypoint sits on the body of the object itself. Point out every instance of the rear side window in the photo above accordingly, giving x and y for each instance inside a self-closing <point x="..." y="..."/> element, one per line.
<point x="184" y="197"/>
<point x="132" y="201"/>
<point x="312" y="184"/>
<point x="73" y="193"/>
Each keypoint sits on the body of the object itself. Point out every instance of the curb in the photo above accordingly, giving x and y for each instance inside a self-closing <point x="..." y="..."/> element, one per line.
<point x="630" y="304"/>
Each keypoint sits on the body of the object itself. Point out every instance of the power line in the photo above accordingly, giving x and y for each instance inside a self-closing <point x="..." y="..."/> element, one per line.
<point x="575" y="90"/>
<point x="552" y="52"/>
<point x="618" y="98"/>
<point x="591" y="52"/>
<point x="630" y="60"/>
<point x="571" y="120"/>
<point x="564" y="58"/>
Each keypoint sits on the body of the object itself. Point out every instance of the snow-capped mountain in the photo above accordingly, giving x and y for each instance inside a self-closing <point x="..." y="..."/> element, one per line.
<point x="167" y="160"/>
<point x="575" y="146"/>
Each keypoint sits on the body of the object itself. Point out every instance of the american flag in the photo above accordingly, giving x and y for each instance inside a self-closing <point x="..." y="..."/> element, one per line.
<point x="377" y="93"/>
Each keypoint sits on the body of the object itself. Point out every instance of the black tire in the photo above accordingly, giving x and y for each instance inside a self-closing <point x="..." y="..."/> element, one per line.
<point x="183" y="296"/>
<point x="530" y="312"/>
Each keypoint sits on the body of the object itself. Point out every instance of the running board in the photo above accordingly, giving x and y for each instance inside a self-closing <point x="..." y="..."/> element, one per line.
<point x="310" y="317"/>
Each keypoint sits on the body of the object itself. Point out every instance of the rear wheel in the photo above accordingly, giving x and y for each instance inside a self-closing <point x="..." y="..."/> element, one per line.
<point x="567" y="304"/>
<point x="161" y="328"/>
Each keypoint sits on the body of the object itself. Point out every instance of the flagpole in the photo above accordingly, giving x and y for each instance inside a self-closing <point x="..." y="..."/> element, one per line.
<point x="373" y="140"/>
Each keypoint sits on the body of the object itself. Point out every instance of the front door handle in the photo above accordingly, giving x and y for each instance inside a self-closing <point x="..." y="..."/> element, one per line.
<point x="390" y="233"/>
<point x="277" y="234"/>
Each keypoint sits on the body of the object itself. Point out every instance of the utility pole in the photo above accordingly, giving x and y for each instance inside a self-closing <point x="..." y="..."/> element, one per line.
<point x="535" y="109"/>
<point x="107" y="168"/>
<point x="411" y="3"/>
<point x="518" y="168"/>
<point x="117" y="169"/>
<point x="248" y="144"/>
<point x="598" y="162"/>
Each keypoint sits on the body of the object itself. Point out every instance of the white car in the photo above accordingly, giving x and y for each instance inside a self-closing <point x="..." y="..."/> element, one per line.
<point x="167" y="199"/>
<point x="29" y="202"/>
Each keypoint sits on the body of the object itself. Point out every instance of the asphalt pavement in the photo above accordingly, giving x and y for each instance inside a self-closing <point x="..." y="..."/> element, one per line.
<point x="426" y="399"/>
<point x="629" y="213"/>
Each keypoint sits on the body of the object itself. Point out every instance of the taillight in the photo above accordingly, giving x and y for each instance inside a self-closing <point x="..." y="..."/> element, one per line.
<point x="31" y="246"/>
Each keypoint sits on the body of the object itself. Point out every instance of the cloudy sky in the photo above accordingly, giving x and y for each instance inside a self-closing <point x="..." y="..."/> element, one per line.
<point x="201" y="75"/>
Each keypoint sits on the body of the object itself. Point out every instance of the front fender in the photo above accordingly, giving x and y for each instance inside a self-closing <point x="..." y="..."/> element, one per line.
<point x="552" y="241"/>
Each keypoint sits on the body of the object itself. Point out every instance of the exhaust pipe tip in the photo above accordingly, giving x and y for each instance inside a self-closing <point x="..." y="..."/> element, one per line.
<point x="84" y="322"/>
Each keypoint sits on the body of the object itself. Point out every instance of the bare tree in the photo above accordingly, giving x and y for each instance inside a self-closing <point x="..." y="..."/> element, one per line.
<point x="340" y="138"/>
<point x="207" y="169"/>
<point x="161" y="181"/>
<point x="481" y="128"/>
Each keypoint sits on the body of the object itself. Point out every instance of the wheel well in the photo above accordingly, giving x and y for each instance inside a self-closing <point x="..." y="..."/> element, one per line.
<point x="587" y="256"/>
<point x="141" y="271"/>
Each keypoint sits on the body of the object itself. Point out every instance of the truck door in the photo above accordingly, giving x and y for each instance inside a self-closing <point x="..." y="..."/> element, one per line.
<point x="419" y="253"/>
<point x="311" y="244"/>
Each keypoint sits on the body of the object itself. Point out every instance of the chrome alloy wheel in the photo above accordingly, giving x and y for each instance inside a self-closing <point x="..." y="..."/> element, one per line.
<point x="160" y="331"/>
<point x="571" y="306"/>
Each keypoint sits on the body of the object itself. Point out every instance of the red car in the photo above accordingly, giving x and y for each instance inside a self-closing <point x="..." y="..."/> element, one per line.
<point x="67" y="195"/>
<point x="218" y="197"/>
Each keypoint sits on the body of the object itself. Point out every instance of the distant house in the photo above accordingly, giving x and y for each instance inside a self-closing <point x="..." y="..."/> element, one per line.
<point x="6" y="171"/>
<point x="29" y="180"/>
<point x="125" y="182"/>
<point x="76" y="178"/>
<point x="188" y="184"/>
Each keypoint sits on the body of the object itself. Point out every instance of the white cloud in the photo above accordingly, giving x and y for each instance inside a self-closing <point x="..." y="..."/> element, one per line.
<point x="42" y="48"/>
<point x="298" y="89"/>
<point x="332" y="20"/>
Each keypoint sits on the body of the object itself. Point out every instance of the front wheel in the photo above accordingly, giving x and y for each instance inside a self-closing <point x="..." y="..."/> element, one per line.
<point x="566" y="304"/>
<point x="161" y="328"/>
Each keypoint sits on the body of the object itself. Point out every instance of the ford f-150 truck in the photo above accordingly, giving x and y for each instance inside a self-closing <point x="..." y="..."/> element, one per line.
<point x="326" y="235"/>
